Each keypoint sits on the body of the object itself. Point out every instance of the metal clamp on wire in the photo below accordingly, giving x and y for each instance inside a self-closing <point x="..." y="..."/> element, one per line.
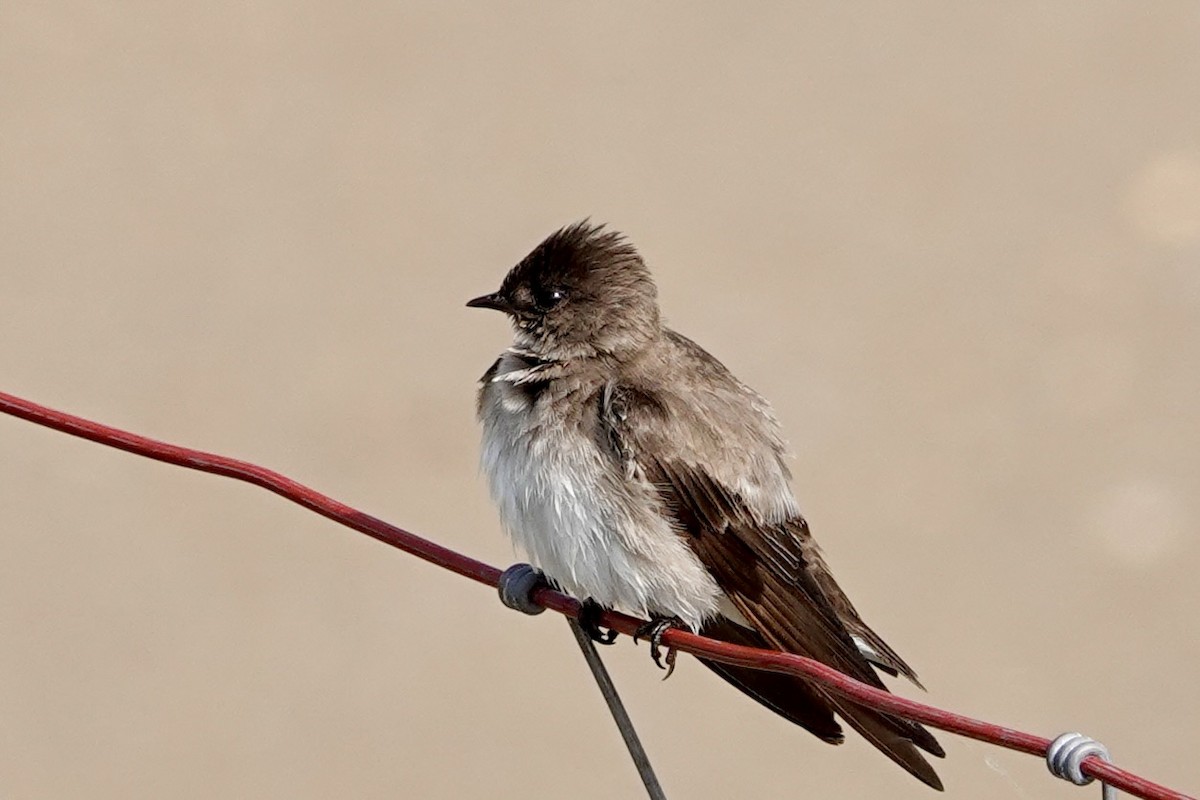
<point x="1065" y="760"/>
<point x="517" y="585"/>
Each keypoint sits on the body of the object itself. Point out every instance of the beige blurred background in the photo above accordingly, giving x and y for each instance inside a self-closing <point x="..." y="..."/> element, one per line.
<point x="957" y="245"/>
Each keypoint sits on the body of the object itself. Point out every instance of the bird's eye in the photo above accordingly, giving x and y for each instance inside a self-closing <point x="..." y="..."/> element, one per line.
<point x="555" y="296"/>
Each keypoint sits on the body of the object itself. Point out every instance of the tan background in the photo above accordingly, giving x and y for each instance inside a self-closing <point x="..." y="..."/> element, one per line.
<point x="958" y="246"/>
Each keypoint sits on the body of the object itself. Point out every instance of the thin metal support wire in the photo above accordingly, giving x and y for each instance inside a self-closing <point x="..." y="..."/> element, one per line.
<point x="620" y="715"/>
<point x="516" y="586"/>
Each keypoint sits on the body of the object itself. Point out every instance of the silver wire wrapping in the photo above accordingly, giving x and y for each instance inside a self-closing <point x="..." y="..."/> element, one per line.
<point x="1065" y="759"/>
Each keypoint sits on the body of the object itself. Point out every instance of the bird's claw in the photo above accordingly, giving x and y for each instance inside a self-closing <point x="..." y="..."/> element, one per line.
<point x="653" y="631"/>
<point x="589" y="620"/>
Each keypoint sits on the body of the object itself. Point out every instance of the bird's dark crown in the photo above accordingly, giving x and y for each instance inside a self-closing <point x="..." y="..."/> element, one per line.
<point x="580" y="258"/>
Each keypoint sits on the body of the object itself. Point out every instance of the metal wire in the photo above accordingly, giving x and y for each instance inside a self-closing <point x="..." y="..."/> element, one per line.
<point x="516" y="588"/>
<point x="466" y="566"/>
<point x="620" y="716"/>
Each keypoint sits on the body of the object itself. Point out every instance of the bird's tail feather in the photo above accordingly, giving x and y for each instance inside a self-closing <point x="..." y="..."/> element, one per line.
<point x="812" y="708"/>
<point x="788" y="696"/>
<point x="880" y="730"/>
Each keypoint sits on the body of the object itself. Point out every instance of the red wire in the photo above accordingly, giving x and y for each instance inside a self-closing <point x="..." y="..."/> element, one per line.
<point x="484" y="573"/>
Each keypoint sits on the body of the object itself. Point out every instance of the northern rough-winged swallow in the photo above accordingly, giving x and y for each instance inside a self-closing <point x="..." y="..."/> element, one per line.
<point x="637" y="472"/>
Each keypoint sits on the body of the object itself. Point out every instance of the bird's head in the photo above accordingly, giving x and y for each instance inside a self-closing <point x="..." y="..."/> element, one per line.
<point x="583" y="292"/>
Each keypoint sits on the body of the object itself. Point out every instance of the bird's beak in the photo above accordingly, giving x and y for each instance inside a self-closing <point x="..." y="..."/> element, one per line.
<point x="494" y="300"/>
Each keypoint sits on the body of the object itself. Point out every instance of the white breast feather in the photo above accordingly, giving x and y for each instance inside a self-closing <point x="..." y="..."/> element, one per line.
<point x="580" y="521"/>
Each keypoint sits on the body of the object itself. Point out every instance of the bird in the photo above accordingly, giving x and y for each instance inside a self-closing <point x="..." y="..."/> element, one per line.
<point x="637" y="473"/>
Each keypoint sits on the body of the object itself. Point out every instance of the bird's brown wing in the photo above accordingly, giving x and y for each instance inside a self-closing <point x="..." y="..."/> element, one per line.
<point x="771" y="571"/>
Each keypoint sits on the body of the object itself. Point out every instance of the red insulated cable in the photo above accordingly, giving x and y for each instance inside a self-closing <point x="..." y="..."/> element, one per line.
<point x="484" y="573"/>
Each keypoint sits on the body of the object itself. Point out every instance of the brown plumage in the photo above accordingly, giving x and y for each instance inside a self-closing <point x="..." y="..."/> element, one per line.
<point x="638" y="471"/>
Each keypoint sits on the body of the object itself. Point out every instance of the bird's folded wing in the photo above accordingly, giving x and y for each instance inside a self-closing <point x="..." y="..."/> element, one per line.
<point x="770" y="569"/>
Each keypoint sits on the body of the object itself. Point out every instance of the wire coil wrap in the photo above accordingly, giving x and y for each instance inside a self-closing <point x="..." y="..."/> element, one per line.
<point x="1065" y="759"/>
<point x="516" y="587"/>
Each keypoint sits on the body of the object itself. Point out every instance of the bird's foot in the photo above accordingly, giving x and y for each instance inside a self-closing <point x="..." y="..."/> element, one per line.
<point x="653" y="631"/>
<point x="589" y="620"/>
